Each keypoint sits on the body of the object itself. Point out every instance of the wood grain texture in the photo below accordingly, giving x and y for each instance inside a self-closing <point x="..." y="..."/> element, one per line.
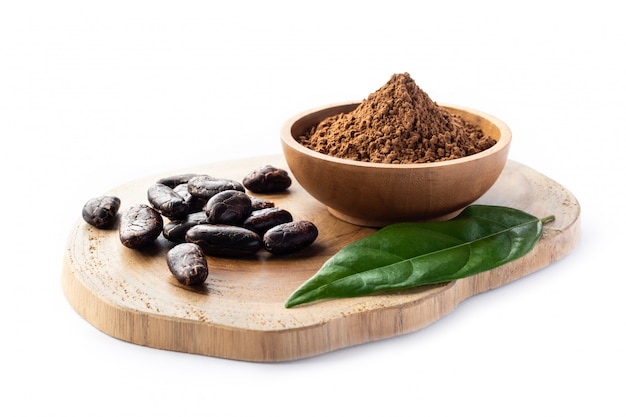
<point x="238" y="313"/>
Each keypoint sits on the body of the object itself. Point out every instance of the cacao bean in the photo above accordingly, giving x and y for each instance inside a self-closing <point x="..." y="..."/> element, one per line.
<point x="139" y="226"/>
<point x="101" y="212"/>
<point x="188" y="264"/>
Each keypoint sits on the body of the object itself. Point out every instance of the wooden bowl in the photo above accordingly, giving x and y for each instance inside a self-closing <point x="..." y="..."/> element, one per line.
<point x="377" y="194"/>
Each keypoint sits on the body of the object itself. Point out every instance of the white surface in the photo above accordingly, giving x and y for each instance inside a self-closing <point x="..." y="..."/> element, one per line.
<point x="93" y="95"/>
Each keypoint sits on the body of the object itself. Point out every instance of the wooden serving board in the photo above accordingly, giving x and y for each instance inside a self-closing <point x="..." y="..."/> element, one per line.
<point x="238" y="313"/>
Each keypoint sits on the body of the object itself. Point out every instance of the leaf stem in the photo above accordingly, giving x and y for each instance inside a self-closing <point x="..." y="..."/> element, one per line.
<point x="547" y="219"/>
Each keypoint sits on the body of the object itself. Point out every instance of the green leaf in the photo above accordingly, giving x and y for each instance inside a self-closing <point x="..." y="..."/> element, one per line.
<point x="407" y="255"/>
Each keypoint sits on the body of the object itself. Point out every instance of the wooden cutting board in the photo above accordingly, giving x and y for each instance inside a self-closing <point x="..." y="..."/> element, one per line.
<point x="238" y="313"/>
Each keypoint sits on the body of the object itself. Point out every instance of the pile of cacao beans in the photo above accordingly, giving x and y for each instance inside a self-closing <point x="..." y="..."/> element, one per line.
<point x="202" y="216"/>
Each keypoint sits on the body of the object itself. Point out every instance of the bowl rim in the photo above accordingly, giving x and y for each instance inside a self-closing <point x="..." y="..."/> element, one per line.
<point x="502" y="143"/>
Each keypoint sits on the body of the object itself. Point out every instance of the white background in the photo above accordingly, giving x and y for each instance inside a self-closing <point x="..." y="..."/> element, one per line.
<point x="95" y="94"/>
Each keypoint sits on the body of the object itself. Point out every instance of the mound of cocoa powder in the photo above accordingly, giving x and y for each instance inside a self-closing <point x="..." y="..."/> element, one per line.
<point x="397" y="124"/>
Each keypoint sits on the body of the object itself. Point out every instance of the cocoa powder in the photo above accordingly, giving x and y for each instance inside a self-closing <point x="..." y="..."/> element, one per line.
<point x="397" y="124"/>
